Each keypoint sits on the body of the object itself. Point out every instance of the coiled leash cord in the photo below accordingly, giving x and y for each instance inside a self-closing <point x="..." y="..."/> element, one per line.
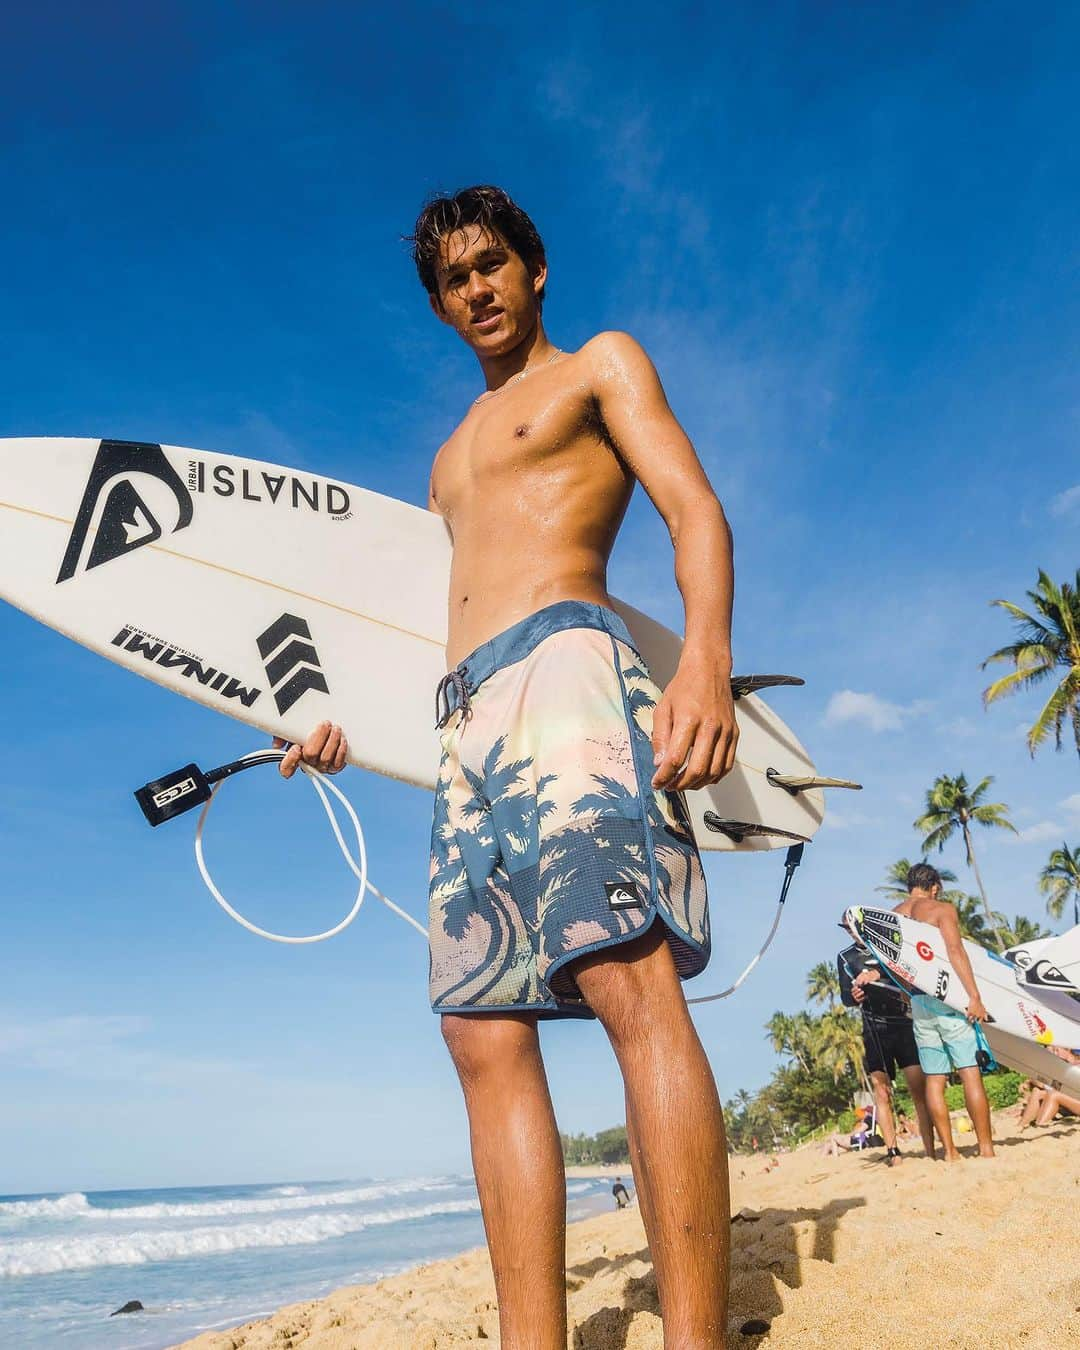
<point x="188" y="787"/>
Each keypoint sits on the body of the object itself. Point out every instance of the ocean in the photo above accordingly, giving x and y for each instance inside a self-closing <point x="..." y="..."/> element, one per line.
<point x="209" y="1257"/>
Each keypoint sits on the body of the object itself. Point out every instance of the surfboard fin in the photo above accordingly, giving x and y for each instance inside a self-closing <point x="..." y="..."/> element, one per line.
<point x="794" y="783"/>
<point x="738" y="830"/>
<point x="750" y="684"/>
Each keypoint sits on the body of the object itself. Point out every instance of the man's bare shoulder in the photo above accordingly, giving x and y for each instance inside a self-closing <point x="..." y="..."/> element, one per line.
<point x="613" y="351"/>
<point x="937" y="912"/>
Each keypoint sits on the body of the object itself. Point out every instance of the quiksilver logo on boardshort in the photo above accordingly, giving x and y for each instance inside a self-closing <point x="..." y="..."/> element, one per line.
<point x="114" y="508"/>
<point x="622" y="895"/>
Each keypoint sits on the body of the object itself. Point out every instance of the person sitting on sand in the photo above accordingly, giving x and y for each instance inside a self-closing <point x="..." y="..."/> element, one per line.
<point x="947" y="1039"/>
<point x="855" y="1142"/>
<point x="1044" y="1102"/>
<point x="622" y="1196"/>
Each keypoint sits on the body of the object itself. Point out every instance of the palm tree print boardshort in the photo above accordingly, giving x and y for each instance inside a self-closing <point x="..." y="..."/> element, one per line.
<point x="548" y="840"/>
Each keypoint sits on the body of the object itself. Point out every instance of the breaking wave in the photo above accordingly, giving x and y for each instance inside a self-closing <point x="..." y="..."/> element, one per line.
<point x="44" y="1256"/>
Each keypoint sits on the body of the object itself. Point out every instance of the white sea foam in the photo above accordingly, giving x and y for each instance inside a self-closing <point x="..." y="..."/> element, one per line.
<point x="43" y="1256"/>
<point x="61" y="1208"/>
<point x="281" y="1199"/>
<point x="221" y="1209"/>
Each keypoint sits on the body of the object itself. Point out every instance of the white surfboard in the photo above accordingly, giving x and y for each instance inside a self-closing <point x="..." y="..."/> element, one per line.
<point x="283" y="598"/>
<point x="914" y="953"/>
<point x="1050" y="965"/>
<point x="1033" y="1059"/>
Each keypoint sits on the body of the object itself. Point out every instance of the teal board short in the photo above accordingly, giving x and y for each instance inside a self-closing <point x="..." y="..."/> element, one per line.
<point x="945" y="1039"/>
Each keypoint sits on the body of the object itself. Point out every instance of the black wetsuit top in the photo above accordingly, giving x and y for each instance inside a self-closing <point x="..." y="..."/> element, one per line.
<point x="884" y="1002"/>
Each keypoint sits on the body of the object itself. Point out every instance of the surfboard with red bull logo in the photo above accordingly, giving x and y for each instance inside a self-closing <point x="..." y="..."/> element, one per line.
<point x="914" y="955"/>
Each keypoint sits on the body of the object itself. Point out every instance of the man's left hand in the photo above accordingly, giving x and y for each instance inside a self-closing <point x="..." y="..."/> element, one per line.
<point x="694" y="728"/>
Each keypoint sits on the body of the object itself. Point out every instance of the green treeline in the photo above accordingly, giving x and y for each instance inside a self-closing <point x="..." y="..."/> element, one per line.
<point x="584" y="1150"/>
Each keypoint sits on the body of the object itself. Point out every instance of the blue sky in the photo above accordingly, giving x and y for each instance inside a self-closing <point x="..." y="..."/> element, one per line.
<point x="847" y="237"/>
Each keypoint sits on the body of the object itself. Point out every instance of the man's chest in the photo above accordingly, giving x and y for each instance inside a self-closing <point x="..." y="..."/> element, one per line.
<point x="509" y="434"/>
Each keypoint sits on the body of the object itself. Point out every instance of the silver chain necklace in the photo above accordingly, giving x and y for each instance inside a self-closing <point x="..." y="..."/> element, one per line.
<point x="491" y="393"/>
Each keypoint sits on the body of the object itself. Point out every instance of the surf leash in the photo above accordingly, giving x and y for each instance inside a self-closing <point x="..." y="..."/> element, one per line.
<point x="791" y="862"/>
<point x="186" y="788"/>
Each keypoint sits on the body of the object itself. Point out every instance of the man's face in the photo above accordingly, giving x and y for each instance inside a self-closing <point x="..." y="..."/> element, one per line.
<point x="486" y="292"/>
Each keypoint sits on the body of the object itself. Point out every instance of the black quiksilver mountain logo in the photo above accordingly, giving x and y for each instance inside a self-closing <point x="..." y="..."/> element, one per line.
<point x="622" y="894"/>
<point x="112" y="502"/>
<point x="292" y="663"/>
<point x="1042" y="974"/>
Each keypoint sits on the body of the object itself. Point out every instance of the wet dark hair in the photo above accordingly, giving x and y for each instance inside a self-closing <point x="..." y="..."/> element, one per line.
<point x="923" y="876"/>
<point x="484" y="205"/>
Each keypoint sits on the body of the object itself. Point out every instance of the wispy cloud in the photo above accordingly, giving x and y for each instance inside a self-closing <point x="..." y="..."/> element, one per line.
<point x="1066" y="502"/>
<point x="1072" y="804"/>
<point x="1039" y="833"/>
<point x="869" y="710"/>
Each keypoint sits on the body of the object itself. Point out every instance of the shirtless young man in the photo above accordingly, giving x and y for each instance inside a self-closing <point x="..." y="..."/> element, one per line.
<point x="945" y="1038"/>
<point x="565" y="881"/>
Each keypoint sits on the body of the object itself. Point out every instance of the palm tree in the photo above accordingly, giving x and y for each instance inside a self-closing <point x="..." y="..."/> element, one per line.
<point x="950" y="806"/>
<point x="1046" y="640"/>
<point x="896" y="879"/>
<point x="838" y="1044"/>
<point x="972" y="923"/>
<point x="790" y="1035"/>
<point x="1059" y="879"/>
<point x="823" y="984"/>
<point x="1021" y="930"/>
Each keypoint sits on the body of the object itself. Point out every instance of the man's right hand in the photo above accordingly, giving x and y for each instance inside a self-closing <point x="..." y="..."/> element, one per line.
<point x="976" y="1012"/>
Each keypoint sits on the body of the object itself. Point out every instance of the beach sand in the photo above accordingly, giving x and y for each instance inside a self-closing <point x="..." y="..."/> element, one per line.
<point x="828" y="1251"/>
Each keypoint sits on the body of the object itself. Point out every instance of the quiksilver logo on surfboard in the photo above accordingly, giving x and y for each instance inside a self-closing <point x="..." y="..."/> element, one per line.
<point x="292" y="663"/>
<point x="115" y="512"/>
<point x="190" y="667"/>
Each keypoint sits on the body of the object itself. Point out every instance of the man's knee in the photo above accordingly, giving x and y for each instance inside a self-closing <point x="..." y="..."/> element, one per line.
<point x="633" y="988"/>
<point x="480" y="1045"/>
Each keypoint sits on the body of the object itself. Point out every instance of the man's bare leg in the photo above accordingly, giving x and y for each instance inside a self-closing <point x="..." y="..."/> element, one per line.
<point x="916" y="1081"/>
<point x="882" y="1089"/>
<point x="680" y="1156"/>
<point x="517" y="1159"/>
<point x="978" y="1109"/>
<point x="939" y="1113"/>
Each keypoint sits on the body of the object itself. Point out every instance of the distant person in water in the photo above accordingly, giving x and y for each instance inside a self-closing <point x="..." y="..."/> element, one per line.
<point x="947" y="1039"/>
<point x="622" y="1196"/>
<point x="888" y="1045"/>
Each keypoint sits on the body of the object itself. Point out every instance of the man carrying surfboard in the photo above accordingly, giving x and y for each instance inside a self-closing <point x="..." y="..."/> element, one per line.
<point x="947" y="1040"/>
<point x="565" y="881"/>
